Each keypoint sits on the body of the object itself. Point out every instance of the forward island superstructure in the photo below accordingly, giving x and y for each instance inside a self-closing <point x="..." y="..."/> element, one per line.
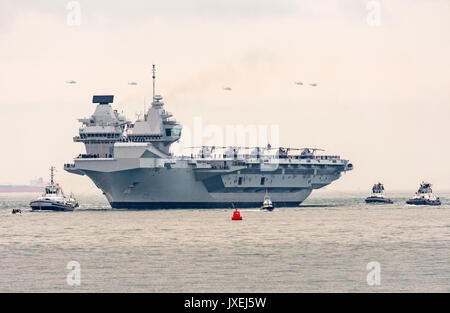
<point x="132" y="164"/>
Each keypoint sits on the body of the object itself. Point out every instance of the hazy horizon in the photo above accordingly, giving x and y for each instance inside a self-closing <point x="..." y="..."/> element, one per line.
<point x="382" y="99"/>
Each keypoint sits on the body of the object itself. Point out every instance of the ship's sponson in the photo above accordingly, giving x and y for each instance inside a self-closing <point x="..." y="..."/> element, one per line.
<point x="138" y="177"/>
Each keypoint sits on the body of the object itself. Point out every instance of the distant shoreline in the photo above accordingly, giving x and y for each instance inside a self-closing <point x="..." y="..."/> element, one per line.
<point x="20" y="188"/>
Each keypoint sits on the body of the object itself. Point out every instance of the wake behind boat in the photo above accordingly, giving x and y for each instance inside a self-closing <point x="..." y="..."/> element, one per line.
<point x="424" y="196"/>
<point x="378" y="195"/>
<point x="53" y="198"/>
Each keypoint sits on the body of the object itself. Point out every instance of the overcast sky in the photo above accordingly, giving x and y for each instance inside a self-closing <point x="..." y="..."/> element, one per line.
<point x="382" y="98"/>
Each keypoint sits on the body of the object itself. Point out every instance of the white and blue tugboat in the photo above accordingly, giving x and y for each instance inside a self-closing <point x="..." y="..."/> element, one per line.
<point x="424" y="196"/>
<point x="267" y="203"/>
<point x="53" y="198"/>
<point x="378" y="195"/>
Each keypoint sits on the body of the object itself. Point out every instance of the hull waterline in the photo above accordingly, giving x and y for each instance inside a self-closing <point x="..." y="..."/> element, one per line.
<point x="423" y="202"/>
<point x="378" y="200"/>
<point x="50" y="206"/>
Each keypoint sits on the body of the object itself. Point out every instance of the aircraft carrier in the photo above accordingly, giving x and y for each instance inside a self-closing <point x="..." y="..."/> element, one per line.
<point x="132" y="165"/>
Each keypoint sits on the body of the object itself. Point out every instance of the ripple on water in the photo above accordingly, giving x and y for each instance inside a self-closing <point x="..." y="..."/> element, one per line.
<point x="323" y="245"/>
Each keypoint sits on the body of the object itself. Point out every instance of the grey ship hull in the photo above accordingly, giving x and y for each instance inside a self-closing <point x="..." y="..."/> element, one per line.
<point x="178" y="188"/>
<point x="138" y="180"/>
<point x="194" y="205"/>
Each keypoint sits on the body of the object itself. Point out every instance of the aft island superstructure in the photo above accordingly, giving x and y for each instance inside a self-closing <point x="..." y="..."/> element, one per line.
<point x="132" y="165"/>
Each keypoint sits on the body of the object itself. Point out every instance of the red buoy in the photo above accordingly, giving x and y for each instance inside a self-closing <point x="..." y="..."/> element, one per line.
<point x="236" y="215"/>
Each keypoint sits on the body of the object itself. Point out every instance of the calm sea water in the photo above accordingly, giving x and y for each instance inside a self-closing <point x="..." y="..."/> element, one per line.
<point x="323" y="246"/>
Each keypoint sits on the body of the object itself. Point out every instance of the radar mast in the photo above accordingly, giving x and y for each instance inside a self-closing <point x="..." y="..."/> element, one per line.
<point x="153" y="76"/>
<point x="52" y="175"/>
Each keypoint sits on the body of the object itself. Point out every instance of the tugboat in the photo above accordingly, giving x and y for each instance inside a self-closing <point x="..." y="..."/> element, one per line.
<point x="378" y="195"/>
<point x="53" y="198"/>
<point x="267" y="204"/>
<point x="424" y="196"/>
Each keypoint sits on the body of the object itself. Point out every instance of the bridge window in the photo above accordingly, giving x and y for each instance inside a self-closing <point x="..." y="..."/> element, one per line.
<point x="263" y="181"/>
<point x="174" y="132"/>
<point x="240" y="181"/>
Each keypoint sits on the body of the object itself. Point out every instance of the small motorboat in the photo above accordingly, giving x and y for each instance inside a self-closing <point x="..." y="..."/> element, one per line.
<point x="424" y="196"/>
<point x="267" y="203"/>
<point x="378" y="195"/>
<point x="53" y="198"/>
